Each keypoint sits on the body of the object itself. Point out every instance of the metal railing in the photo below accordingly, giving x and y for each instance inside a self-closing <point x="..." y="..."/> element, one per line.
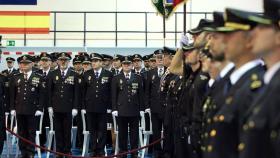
<point x="116" y="30"/>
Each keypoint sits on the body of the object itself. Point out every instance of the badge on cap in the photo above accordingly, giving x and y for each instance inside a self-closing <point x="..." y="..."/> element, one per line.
<point x="24" y="58"/>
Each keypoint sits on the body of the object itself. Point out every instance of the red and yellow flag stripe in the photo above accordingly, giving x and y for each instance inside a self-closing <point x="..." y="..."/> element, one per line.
<point x="28" y="22"/>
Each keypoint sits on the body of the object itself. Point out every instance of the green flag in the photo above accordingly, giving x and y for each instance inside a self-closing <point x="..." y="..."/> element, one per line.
<point x="166" y="7"/>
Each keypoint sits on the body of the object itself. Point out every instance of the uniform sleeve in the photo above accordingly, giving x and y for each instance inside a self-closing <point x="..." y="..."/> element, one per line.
<point x="83" y="91"/>
<point x="141" y="94"/>
<point x="110" y="91"/>
<point x="147" y="91"/>
<point x="12" y="93"/>
<point x="50" y="89"/>
<point x="114" y="93"/>
<point x="77" y="92"/>
<point x="42" y="95"/>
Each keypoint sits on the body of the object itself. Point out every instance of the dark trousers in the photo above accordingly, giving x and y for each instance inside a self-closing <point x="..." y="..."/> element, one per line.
<point x="168" y="145"/>
<point x="123" y="132"/>
<point x="26" y="128"/>
<point x="97" y="125"/>
<point x="157" y="122"/>
<point x="63" y="126"/>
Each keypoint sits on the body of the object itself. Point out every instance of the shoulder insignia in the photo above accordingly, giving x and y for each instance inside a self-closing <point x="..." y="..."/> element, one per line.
<point x="203" y="77"/>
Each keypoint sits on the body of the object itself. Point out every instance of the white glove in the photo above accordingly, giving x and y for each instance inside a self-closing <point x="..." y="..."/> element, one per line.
<point x="109" y="111"/>
<point x="38" y="113"/>
<point x="83" y="111"/>
<point x="184" y="40"/>
<point x="148" y="110"/>
<point x="142" y="113"/>
<point x="13" y="112"/>
<point x="7" y="113"/>
<point x="115" y="113"/>
<point x="74" y="112"/>
<point x="50" y="110"/>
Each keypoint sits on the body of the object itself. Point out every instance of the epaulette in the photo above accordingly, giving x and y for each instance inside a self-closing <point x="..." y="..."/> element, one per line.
<point x="255" y="82"/>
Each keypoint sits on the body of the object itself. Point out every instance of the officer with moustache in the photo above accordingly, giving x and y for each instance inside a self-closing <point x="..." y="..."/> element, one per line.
<point x="26" y="102"/>
<point x="63" y="99"/>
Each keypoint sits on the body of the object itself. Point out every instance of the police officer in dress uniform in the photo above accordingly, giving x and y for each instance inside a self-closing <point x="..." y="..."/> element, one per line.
<point x="259" y="137"/>
<point x="153" y="101"/>
<point x="45" y="62"/>
<point x="215" y="94"/>
<point x="7" y="74"/>
<point x="96" y="101"/>
<point x="127" y="104"/>
<point x="63" y="99"/>
<point x="26" y="101"/>
<point x="244" y="84"/>
<point x="78" y="68"/>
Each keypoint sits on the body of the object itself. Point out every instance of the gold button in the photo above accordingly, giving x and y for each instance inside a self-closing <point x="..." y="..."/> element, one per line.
<point x="241" y="146"/>
<point x="209" y="120"/>
<point x="251" y="124"/>
<point x="221" y="118"/>
<point x="229" y="100"/>
<point x="209" y="148"/>
<point x="245" y="127"/>
<point x="273" y="134"/>
<point x="213" y="133"/>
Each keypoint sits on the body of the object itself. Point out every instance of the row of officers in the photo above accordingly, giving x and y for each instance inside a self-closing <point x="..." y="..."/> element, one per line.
<point x="91" y="87"/>
<point x="216" y="98"/>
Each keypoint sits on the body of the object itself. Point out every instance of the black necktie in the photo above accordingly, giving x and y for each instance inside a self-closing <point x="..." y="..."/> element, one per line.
<point x="62" y="74"/>
<point x="96" y="74"/>
<point x="117" y="71"/>
<point x="9" y="71"/>
<point x="44" y="74"/>
<point x="127" y="76"/>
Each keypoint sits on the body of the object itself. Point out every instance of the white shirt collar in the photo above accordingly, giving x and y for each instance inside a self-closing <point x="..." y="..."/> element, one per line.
<point x="46" y="71"/>
<point x="226" y="69"/>
<point x="28" y="74"/>
<point x="129" y="74"/>
<point x="11" y="69"/>
<point x="237" y="74"/>
<point x="138" y="70"/>
<point x="99" y="71"/>
<point x="211" y="82"/>
<point x="271" y="72"/>
<point x="65" y="71"/>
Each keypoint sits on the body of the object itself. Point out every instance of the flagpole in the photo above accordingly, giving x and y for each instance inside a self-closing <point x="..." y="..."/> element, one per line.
<point x="164" y="22"/>
<point x="185" y="20"/>
<point x="164" y="30"/>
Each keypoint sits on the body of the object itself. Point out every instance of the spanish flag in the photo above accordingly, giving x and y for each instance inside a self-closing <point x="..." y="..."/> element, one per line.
<point x="24" y="22"/>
